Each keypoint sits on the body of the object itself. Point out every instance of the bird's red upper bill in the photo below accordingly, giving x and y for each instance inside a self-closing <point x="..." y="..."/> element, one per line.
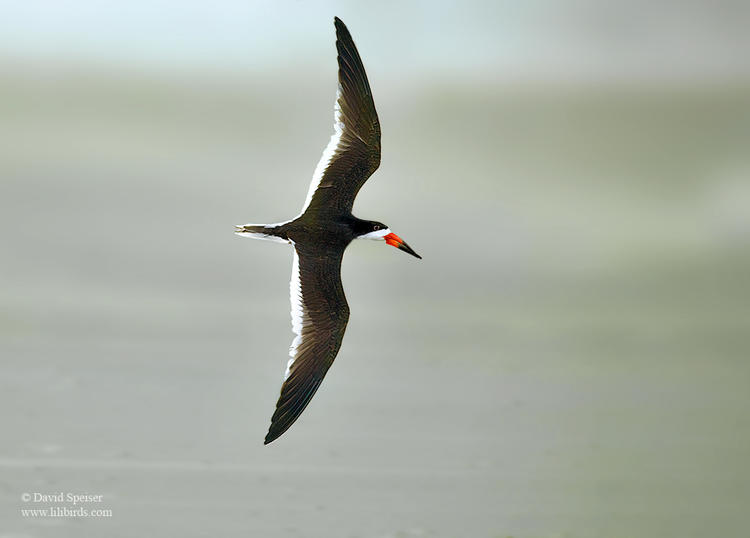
<point x="395" y="241"/>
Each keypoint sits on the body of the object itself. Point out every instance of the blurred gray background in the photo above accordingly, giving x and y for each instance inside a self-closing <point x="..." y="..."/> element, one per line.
<point x="569" y="359"/>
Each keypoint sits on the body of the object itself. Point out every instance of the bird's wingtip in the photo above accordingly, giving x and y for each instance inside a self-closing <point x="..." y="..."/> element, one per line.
<point x="269" y="438"/>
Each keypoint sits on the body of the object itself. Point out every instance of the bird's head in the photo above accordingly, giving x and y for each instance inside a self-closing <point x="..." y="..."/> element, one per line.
<point x="380" y="232"/>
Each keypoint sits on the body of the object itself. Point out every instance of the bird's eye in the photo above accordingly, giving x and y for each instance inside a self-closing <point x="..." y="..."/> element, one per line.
<point x="377" y="226"/>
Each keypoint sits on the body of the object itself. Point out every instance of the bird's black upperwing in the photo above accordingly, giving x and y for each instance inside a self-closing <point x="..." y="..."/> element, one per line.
<point x="319" y="317"/>
<point x="353" y="153"/>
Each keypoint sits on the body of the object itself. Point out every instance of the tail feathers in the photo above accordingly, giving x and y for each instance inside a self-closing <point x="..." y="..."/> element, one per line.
<point x="269" y="232"/>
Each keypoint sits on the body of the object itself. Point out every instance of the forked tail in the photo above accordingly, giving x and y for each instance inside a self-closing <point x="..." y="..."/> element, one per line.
<point x="269" y="232"/>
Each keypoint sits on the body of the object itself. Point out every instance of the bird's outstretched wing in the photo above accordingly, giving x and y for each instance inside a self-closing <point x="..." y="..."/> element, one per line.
<point x="353" y="153"/>
<point x="319" y="317"/>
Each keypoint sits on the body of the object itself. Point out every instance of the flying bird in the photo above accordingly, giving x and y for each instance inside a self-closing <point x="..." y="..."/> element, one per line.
<point x="321" y="233"/>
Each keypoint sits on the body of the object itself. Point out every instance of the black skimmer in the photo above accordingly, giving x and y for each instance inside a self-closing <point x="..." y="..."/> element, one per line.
<point x="321" y="233"/>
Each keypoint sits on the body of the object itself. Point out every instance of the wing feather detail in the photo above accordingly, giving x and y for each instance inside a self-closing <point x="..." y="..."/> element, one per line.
<point x="353" y="152"/>
<point x="329" y="152"/>
<point x="319" y="314"/>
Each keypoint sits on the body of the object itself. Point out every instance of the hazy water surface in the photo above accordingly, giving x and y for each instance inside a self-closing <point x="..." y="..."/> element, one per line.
<point x="568" y="359"/>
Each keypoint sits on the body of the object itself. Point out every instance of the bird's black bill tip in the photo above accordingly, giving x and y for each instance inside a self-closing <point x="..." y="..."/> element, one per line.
<point x="394" y="240"/>
<point x="406" y="248"/>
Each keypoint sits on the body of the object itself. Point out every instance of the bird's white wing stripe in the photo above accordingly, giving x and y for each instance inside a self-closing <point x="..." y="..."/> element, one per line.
<point x="295" y="296"/>
<point x="328" y="153"/>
